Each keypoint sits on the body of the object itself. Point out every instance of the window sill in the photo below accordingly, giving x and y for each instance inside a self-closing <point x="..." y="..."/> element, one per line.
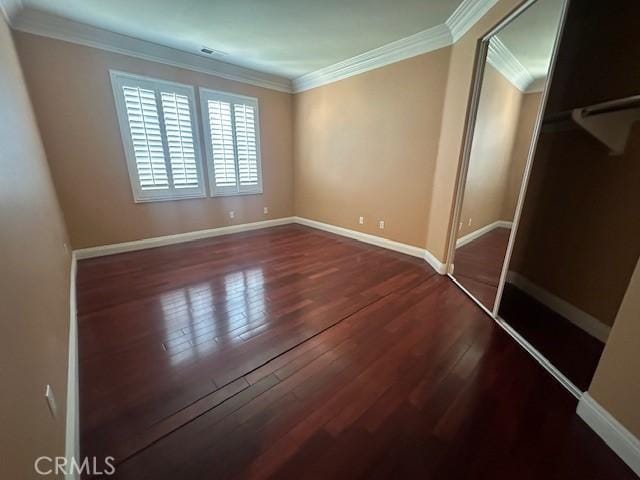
<point x="235" y="194"/>
<point x="169" y="198"/>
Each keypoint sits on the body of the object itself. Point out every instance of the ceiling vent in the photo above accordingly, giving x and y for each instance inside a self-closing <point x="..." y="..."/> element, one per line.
<point x="212" y="51"/>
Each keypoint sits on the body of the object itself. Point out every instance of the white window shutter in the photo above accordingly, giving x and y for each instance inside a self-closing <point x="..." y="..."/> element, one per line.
<point x="233" y="143"/>
<point x="223" y="152"/>
<point x="144" y="127"/>
<point x="159" y="133"/>
<point x="246" y="145"/>
<point x="179" y="131"/>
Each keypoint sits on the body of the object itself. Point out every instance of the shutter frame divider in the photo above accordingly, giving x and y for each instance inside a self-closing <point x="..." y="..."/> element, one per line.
<point x="165" y="140"/>
<point x="234" y="137"/>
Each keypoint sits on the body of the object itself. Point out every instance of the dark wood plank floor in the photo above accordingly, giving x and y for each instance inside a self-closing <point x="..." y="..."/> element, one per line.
<point x="292" y="353"/>
<point x="478" y="264"/>
<point x="573" y="351"/>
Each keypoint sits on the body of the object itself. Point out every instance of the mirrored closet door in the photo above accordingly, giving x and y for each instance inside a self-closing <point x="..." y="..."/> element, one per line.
<point x="547" y="231"/>
<point x="578" y="235"/>
<point x="508" y="100"/>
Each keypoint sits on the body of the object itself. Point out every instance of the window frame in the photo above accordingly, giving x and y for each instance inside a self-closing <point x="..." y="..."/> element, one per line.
<point x="205" y="95"/>
<point x="120" y="79"/>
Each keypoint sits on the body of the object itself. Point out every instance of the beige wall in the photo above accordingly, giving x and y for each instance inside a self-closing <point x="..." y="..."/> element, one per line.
<point x="454" y="118"/>
<point x="367" y="146"/>
<point x="71" y="92"/>
<point x="529" y="108"/>
<point x="487" y="184"/>
<point x="34" y="285"/>
<point x="413" y="110"/>
<point x="615" y="384"/>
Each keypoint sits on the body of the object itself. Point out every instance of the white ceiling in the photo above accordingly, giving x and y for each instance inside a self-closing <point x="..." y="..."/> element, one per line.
<point x="530" y="37"/>
<point x="288" y="38"/>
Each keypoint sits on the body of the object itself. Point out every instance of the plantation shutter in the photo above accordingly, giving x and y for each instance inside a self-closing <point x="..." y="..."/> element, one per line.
<point x="246" y="145"/>
<point x="177" y="121"/>
<point x="144" y="126"/>
<point x="157" y="124"/>
<point x="233" y="143"/>
<point x="223" y="152"/>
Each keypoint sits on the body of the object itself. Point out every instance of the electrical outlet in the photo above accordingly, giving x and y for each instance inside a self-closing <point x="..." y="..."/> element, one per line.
<point x="232" y="214"/>
<point x="265" y="210"/>
<point x="51" y="401"/>
<point x="66" y="247"/>
<point x="381" y="224"/>
<point x="361" y="220"/>
<point x="469" y="224"/>
<point x="460" y="226"/>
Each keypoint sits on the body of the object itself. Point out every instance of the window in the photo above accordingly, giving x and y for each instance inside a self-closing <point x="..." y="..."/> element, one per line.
<point x="232" y="141"/>
<point x="159" y="132"/>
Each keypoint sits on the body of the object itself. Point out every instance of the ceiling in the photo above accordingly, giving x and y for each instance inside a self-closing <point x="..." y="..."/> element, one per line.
<point x="530" y="37"/>
<point x="288" y="38"/>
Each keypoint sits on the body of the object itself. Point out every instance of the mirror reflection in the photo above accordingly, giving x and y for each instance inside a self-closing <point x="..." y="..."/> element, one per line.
<point x="515" y="72"/>
<point x="570" y="280"/>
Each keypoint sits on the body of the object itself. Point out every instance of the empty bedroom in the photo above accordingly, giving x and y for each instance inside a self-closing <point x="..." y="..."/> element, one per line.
<point x="295" y="239"/>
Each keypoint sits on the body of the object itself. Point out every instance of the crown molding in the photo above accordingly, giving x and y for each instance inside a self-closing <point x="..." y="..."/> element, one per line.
<point x="445" y="34"/>
<point x="466" y="15"/>
<point x="10" y="8"/>
<point x="419" y="43"/>
<point x="460" y="21"/>
<point x="43" y="24"/>
<point x="501" y="58"/>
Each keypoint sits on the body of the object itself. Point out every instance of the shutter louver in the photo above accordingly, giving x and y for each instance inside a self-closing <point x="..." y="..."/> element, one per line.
<point x="179" y="131"/>
<point x="144" y="126"/>
<point x="224" y="165"/>
<point x="246" y="144"/>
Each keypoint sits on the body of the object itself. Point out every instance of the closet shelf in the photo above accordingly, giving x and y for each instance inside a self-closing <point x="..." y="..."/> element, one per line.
<point x="608" y="122"/>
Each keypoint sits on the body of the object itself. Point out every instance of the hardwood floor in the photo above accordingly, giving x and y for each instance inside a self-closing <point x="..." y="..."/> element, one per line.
<point x="573" y="351"/>
<point x="293" y="353"/>
<point x="478" y="264"/>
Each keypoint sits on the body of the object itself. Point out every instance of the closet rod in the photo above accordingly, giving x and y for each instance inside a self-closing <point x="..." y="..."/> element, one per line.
<point x="596" y="109"/>
<point x="611" y="129"/>
<point x="612" y="106"/>
<point x="557" y="117"/>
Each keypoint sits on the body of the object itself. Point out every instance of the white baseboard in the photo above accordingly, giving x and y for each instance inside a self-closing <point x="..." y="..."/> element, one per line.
<point x="72" y="433"/>
<point x="470" y="237"/>
<point x="431" y="259"/>
<point x="145" y="243"/>
<point x="113" y="249"/>
<point x="579" y="318"/>
<point x="619" y="439"/>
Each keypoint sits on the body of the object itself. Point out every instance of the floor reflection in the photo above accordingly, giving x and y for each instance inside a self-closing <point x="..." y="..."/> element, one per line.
<point x="201" y="319"/>
<point x="478" y="264"/>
